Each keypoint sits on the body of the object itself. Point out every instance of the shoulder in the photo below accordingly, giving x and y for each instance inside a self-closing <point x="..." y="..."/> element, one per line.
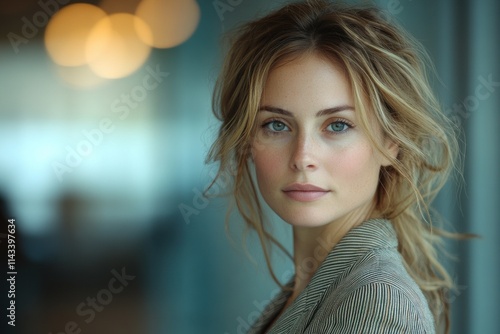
<point x="377" y="295"/>
<point x="381" y="307"/>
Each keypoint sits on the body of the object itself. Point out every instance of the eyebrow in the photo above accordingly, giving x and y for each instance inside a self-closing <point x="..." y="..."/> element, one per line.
<point x="322" y="112"/>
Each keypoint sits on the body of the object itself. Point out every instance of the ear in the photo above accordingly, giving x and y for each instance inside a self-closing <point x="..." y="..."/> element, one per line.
<point x="392" y="148"/>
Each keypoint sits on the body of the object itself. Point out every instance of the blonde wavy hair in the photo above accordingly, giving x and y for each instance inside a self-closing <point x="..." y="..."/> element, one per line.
<point x="387" y="72"/>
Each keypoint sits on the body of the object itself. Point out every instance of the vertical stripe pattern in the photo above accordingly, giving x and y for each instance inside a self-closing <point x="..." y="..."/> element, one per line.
<point x="361" y="287"/>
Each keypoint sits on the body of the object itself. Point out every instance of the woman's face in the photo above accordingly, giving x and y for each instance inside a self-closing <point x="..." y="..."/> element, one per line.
<point x="314" y="164"/>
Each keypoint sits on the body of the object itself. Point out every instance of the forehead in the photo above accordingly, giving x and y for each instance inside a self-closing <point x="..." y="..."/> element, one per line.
<point x="308" y="82"/>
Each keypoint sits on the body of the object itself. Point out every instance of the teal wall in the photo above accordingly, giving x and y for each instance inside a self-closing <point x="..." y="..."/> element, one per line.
<point x="120" y="205"/>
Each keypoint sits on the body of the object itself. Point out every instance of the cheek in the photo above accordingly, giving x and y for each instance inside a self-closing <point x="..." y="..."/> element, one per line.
<point x="267" y="162"/>
<point x="356" y="168"/>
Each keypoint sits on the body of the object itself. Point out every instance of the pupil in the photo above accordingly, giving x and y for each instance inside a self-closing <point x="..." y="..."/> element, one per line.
<point x="337" y="126"/>
<point x="278" y="126"/>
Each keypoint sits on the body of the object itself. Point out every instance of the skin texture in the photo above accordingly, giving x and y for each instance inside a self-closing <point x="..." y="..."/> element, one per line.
<point x="329" y="151"/>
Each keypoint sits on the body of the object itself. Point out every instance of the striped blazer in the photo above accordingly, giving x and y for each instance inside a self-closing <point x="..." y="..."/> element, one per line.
<point x="362" y="286"/>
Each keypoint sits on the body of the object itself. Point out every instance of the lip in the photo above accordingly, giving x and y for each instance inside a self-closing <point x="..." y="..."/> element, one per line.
<point x="303" y="187"/>
<point x="304" y="192"/>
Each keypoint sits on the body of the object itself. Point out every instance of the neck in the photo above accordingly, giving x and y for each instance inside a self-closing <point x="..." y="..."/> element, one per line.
<point x="312" y="244"/>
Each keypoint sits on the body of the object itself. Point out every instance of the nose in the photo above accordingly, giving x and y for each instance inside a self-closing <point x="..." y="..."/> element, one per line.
<point x="303" y="154"/>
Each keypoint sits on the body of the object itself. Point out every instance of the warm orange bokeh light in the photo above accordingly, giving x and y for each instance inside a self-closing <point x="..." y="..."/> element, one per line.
<point x="172" y="21"/>
<point x="119" y="6"/>
<point x="67" y="32"/>
<point x="80" y="77"/>
<point x="114" y="49"/>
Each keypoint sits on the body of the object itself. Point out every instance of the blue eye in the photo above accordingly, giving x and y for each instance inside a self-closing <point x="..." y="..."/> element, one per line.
<point x="338" y="126"/>
<point x="275" y="126"/>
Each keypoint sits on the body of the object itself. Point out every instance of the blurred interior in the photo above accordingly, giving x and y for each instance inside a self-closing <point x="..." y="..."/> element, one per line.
<point x="105" y="121"/>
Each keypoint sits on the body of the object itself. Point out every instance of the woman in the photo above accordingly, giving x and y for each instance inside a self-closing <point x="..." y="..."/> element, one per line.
<point x="330" y="108"/>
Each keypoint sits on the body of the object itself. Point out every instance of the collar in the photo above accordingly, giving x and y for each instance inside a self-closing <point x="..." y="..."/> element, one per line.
<point x="368" y="236"/>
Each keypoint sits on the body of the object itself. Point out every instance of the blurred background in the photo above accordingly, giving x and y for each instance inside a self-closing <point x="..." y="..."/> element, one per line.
<point x="105" y="120"/>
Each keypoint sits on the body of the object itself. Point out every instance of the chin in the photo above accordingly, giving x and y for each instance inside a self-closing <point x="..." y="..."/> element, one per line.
<point x="305" y="219"/>
<point x="306" y="223"/>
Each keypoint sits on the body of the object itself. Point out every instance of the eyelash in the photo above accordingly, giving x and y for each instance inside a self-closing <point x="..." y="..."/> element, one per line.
<point x="275" y="133"/>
